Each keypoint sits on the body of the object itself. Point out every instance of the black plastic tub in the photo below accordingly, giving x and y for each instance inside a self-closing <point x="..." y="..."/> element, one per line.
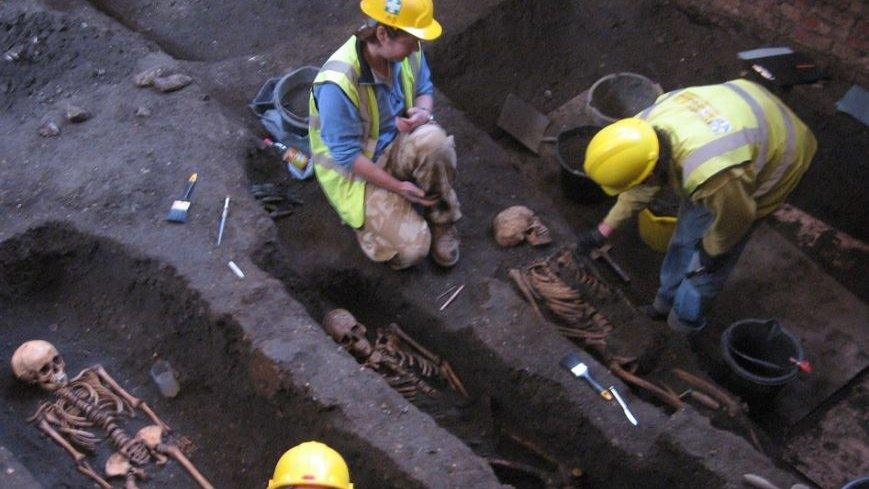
<point x="762" y="356"/>
<point x="570" y="148"/>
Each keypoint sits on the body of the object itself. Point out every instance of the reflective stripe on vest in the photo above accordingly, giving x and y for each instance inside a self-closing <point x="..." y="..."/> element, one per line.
<point x="788" y="158"/>
<point x="757" y="138"/>
<point x="762" y="138"/>
<point x="663" y="98"/>
<point x="346" y="192"/>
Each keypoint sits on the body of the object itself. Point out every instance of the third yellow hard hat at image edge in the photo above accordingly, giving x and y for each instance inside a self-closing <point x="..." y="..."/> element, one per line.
<point x="621" y="155"/>
<point x="416" y="17"/>
<point x="311" y="464"/>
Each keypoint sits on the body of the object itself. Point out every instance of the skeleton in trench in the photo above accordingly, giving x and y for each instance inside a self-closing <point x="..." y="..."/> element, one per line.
<point x="92" y="401"/>
<point x="405" y="364"/>
<point x="566" y="287"/>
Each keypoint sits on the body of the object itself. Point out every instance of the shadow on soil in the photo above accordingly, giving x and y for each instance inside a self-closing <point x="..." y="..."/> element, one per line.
<point x="99" y="304"/>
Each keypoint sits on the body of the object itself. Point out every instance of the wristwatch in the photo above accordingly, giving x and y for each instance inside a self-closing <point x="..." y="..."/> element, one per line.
<point x="431" y="117"/>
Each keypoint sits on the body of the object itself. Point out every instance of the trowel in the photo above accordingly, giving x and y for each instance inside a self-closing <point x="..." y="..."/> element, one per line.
<point x="574" y="363"/>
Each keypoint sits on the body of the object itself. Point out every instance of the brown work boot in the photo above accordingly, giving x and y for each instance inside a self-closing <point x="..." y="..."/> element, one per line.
<point x="444" y="244"/>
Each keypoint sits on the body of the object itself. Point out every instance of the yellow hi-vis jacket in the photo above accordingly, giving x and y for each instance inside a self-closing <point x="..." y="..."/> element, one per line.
<point x="737" y="150"/>
<point x="717" y="127"/>
<point x="345" y="191"/>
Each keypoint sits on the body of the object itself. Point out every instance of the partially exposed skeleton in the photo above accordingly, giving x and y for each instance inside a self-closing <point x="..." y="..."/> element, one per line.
<point x="405" y="364"/>
<point x="567" y="288"/>
<point x="93" y="400"/>
<point x="544" y="280"/>
<point x="518" y="223"/>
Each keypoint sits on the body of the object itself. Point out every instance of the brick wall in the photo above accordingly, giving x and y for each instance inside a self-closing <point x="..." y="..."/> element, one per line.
<point x="835" y="31"/>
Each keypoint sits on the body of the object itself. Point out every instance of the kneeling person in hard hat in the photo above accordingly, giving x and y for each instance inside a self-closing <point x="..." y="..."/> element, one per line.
<point x="311" y="465"/>
<point x="732" y="151"/>
<point x="376" y="86"/>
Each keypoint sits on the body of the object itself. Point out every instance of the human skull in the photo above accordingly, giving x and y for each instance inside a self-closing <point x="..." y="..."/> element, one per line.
<point x="516" y="224"/>
<point x="39" y="362"/>
<point x="348" y="332"/>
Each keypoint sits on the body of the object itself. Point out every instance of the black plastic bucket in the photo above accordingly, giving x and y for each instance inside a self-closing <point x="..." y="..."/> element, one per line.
<point x="762" y="356"/>
<point x="291" y="97"/>
<point x="575" y="184"/>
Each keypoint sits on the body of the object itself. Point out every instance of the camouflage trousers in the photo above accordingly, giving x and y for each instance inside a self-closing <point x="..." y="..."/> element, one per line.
<point x="394" y="231"/>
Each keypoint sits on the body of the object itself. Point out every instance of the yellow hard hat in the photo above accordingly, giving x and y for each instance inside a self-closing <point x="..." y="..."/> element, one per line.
<point x="416" y="17"/>
<point x="311" y="464"/>
<point x="621" y="155"/>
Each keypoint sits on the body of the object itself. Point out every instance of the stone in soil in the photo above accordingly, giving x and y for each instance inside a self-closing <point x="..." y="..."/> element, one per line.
<point x="74" y="113"/>
<point x="49" y="129"/>
<point x="146" y="78"/>
<point x="172" y="82"/>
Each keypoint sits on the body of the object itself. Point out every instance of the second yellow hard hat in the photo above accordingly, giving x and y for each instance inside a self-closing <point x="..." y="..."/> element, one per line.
<point x="416" y="17"/>
<point x="621" y="155"/>
<point x="311" y="464"/>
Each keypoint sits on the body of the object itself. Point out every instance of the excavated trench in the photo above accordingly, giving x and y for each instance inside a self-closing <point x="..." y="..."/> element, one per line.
<point x="507" y="52"/>
<point x="98" y="304"/>
<point x="479" y="420"/>
<point x="523" y="408"/>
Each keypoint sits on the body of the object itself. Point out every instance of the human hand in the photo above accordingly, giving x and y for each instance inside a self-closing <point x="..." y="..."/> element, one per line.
<point x="416" y="116"/>
<point x="588" y="240"/>
<point x="414" y="194"/>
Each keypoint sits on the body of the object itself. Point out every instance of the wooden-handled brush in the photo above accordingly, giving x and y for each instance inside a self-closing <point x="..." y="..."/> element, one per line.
<point x="178" y="212"/>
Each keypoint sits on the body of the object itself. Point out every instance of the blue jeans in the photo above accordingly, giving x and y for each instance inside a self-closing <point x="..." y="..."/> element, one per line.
<point x="688" y="298"/>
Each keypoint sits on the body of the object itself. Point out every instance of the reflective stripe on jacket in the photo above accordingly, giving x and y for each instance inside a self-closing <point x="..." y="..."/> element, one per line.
<point x="717" y="127"/>
<point x="345" y="191"/>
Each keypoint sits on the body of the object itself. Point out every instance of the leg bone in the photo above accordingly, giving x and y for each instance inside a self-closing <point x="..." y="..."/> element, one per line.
<point x="416" y="346"/>
<point x="175" y="452"/>
<point x="151" y="436"/>
<point x="453" y="379"/>
<point x="86" y="469"/>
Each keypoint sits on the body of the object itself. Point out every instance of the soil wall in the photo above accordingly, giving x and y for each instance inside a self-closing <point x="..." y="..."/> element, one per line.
<point x="832" y="29"/>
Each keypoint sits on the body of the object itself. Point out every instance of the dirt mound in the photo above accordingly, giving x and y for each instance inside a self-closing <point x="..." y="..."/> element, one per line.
<point x="41" y="49"/>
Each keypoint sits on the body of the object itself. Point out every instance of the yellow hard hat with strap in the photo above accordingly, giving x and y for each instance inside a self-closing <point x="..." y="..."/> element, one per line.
<point x="416" y="17"/>
<point x="621" y="155"/>
<point x="311" y="464"/>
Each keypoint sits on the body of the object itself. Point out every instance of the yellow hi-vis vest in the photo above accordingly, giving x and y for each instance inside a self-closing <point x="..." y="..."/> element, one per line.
<point x="716" y="127"/>
<point x="345" y="191"/>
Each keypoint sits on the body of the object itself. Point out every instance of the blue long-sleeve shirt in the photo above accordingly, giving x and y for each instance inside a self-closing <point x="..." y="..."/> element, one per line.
<point x="340" y="123"/>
